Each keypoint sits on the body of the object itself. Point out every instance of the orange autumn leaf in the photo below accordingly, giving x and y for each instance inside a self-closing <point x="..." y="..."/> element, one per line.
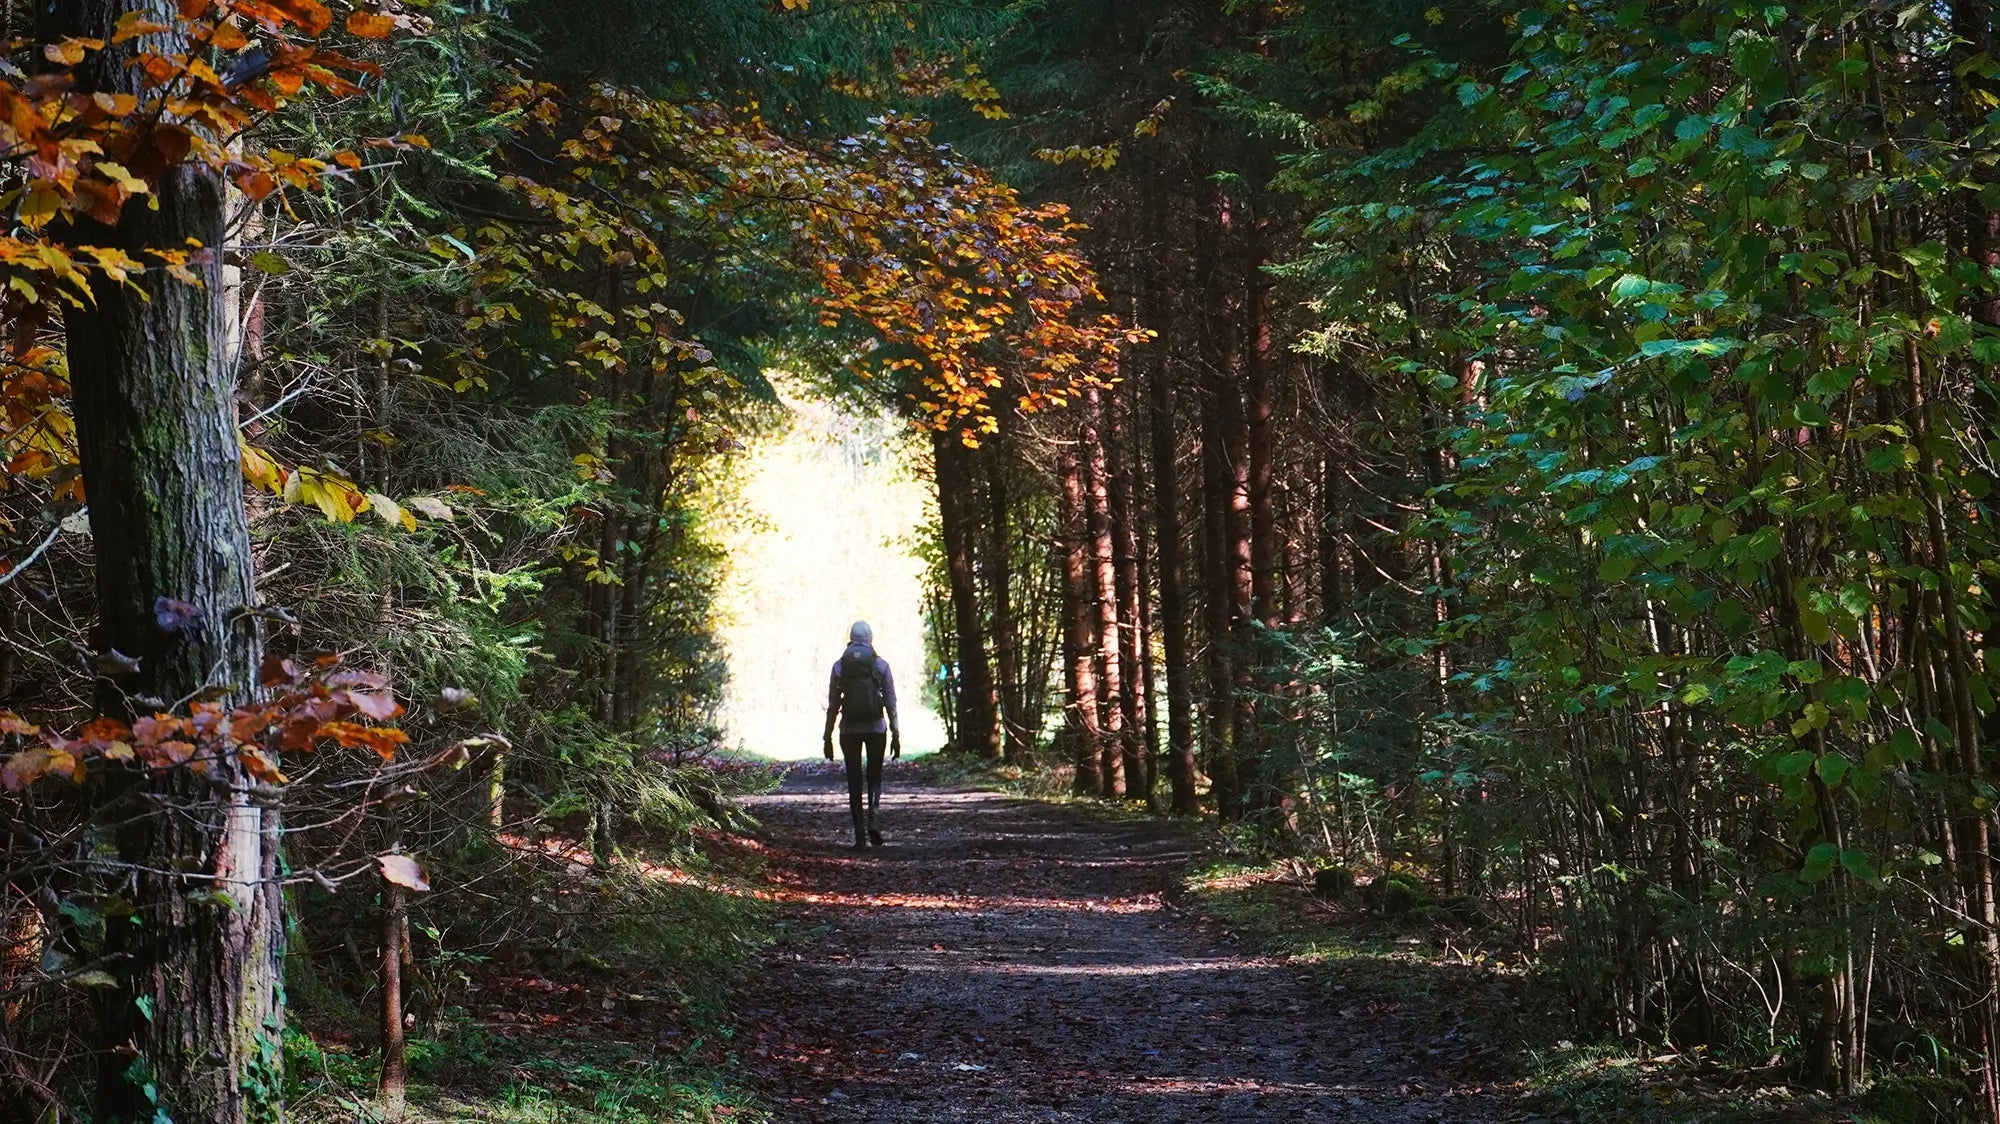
<point x="228" y="37"/>
<point x="370" y="25"/>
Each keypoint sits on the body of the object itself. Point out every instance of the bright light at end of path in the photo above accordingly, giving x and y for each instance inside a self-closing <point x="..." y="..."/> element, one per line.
<point x="821" y="521"/>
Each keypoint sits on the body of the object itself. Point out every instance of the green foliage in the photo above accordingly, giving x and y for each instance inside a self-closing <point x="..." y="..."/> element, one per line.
<point x="1697" y="325"/>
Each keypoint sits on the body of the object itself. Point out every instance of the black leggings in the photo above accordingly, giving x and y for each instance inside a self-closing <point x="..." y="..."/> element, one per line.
<point x="851" y="746"/>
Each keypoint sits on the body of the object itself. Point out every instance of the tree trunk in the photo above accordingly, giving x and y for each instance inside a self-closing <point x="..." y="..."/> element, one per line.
<point x="1257" y="471"/>
<point x="1173" y="599"/>
<point x="1132" y="654"/>
<point x="978" y="728"/>
<point x="1335" y="537"/>
<point x="1104" y="574"/>
<point x="1241" y="571"/>
<point x="1149" y="670"/>
<point x="391" y="1084"/>
<point x="1079" y="626"/>
<point x="1235" y="573"/>
<point x="1006" y="631"/>
<point x="1166" y="498"/>
<point x="197" y="966"/>
<point x="1218" y="713"/>
<point x="1221" y="421"/>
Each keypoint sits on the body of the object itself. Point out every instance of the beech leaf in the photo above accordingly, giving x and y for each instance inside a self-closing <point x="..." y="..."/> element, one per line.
<point x="403" y="871"/>
<point x="370" y="25"/>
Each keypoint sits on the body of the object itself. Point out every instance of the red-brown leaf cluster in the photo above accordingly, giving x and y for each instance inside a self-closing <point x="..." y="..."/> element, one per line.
<point x="299" y="709"/>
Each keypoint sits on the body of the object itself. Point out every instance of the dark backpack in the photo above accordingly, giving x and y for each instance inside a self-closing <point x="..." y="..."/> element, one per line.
<point x="860" y="686"/>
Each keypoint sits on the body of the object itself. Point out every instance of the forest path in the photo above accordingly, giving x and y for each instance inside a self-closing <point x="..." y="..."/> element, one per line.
<point x="1004" y="960"/>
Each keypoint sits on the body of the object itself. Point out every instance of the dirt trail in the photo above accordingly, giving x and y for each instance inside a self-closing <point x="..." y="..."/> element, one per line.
<point x="1002" y="960"/>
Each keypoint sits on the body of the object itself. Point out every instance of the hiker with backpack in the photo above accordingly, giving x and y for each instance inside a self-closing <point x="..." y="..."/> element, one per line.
<point x="862" y="695"/>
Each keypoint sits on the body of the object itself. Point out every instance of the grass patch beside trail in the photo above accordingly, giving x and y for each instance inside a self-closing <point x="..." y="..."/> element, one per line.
<point x="1047" y="783"/>
<point x="1503" y="1020"/>
<point x="560" y="995"/>
<point x="948" y="768"/>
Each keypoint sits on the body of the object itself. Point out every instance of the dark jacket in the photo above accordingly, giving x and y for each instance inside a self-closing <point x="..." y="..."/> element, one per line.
<point x="865" y="725"/>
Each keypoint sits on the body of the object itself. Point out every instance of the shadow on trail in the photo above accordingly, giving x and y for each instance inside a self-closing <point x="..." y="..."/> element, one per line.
<point x="1006" y="960"/>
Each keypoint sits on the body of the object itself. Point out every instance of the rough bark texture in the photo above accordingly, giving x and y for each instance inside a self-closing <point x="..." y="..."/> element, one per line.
<point x="197" y="995"/>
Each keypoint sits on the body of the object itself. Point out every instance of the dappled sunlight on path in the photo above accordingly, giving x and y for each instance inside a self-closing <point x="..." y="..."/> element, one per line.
<point x="1004" y="960"/>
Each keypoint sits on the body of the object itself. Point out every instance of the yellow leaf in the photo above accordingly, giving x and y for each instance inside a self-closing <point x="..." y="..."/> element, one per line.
<point x="133" y="24"/>
<point x="338" y="498"/>
<point x="39" y="207"/>
<point x="69" y="52"/>
<point x="311" y="491"/>
<point x="260" y="470"/>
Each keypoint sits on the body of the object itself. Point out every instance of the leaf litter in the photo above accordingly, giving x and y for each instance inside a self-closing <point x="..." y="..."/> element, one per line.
<point x="1003" y="960"/>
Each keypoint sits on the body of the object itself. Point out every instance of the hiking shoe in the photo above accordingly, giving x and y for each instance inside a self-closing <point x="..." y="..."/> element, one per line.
<point x="875" y="836"/>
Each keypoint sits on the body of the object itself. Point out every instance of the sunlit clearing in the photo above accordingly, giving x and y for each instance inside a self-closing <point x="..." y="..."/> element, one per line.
<point x="820" y="523"/>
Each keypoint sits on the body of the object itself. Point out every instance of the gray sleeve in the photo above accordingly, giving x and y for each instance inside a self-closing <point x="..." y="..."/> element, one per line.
<point x="833" y="687"/>
<point x="888" y="690"/>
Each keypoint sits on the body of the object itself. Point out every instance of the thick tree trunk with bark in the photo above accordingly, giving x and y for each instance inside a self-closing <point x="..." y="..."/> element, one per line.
<point x="197" y="966"/>
<point x="978" y="725"/>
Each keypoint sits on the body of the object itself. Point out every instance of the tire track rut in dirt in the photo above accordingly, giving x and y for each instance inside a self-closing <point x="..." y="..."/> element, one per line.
<point x="1006" y="960"/>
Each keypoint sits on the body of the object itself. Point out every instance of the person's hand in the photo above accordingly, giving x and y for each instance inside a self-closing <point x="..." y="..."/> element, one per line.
<point x="896" y="746"/>
<point x="826" y="744"/>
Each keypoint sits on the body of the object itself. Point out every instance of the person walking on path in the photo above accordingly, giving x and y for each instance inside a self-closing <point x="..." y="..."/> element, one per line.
<point x="862" y="696"/>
